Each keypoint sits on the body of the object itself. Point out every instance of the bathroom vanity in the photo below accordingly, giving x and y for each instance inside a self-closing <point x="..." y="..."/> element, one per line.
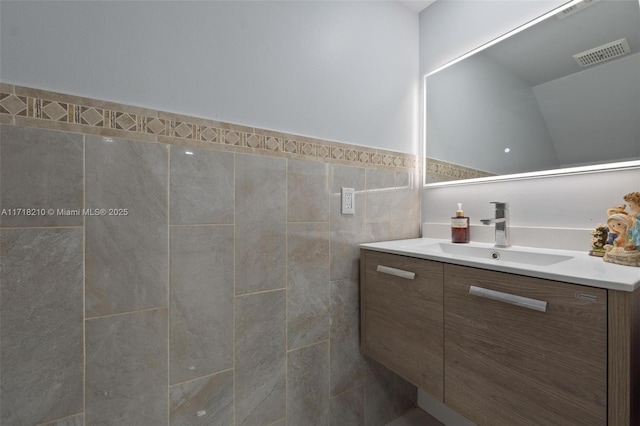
<point x="506" y="336"/>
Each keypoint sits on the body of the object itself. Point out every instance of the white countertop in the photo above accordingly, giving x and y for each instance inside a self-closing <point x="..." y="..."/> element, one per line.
<point x="580" y="268"/>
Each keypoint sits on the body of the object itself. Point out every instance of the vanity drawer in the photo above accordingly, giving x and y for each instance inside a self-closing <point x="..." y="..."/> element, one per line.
<point x="401" y="317"/>
<point x="514" y="361"/>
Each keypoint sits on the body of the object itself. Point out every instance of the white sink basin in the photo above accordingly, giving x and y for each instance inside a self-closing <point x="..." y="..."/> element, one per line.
<point x="508" y="254"/>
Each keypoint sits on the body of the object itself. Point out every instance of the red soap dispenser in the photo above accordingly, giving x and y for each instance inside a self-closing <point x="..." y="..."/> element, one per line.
<point x="459" y="227"/>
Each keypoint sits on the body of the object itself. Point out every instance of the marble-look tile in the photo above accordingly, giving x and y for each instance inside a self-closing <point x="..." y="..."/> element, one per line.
<point x="40" y="325"/>
<point x="307" y="191"/>
<point x="76" y="420"/>
<point x="347" y="409"/>
<point x="126" y="256"/>
<point x="405" y="180"/>
<point x="308" y="385"/>
<point x="126" y="369"/>
<point x="400" y="205"/>
<point x="201" y="186"/>
<point x="345" y="176"/>
<point x="260" y="223"/>
<point x="281" y="422"/>
<point x="380" y="179"/>
<point x="260" y="358"/>
<point x="201" y="300"/>
<point x="385" y="231"/>
<point x="41" y="169"/>
<point x="379" y="396"/>
<point x="205" y="401"/>
<point x="307" y="284"/>
<point x="349" y="368"/>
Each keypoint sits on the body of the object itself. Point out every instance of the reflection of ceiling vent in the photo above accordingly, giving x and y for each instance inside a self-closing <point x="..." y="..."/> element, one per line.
<point x="603" y="53"/>
<point x="575" y="8"/>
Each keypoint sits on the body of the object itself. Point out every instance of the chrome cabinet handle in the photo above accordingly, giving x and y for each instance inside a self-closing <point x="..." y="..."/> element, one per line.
<point x="396" y="272"/>
<point x="512" y="299"/>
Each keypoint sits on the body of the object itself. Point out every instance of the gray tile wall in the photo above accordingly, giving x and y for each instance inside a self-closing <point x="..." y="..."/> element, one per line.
<point x="201" y="301"/>
<point x="227" y="295"/>
<point x="41" y="356"/>
<point x="125" y="255"/>
<point x="126" y="369"/>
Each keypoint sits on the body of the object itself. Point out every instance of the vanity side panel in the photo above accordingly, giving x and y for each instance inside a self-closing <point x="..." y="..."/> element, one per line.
<point x="402" y="319"/>
<point x="624" y="357"/>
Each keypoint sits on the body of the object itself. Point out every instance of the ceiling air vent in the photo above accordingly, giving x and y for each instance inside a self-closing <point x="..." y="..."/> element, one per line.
<point x="603" y="53"/>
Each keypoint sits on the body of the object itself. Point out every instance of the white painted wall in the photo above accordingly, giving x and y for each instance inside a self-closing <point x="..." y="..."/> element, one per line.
<point x="572" y="201"/>
<point x="343" y="71"/>
<point x="451" y="28"/>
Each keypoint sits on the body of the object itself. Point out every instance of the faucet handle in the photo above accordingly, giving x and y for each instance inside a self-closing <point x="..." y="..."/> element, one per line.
<point x="500" y="205"/>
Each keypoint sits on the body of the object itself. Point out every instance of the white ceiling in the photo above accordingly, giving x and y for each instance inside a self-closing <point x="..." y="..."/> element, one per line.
<point x="416" y="5"/>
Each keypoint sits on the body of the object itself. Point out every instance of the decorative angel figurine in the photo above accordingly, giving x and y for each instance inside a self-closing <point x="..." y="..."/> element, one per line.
<point x="618" y="223"/>
<point x="633" y="231"/>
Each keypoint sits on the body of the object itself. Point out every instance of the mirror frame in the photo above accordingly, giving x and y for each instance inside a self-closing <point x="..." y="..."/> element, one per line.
<point x="596" y="168"/>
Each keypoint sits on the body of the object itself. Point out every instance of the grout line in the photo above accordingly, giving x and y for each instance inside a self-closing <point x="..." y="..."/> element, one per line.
<point x="286" y="283"/>
<point x="55" y="421"/>
<point x="84" y="281"/>
<point x="309" y="223"/>
<point x="202" y="377"/>
<point x="329" y="179"/>
<point x="199" y="224"/>
<point x="261" y="292"/>
<point x="1" y="276"/>
<point x="361" y="385"/>
<point x="168" y="285"/>
<point x="308" y="346"/>
<point x="366" y="184"/>
<point x="233" y="335"/>
<point x="8" y="228"/>
<point x="126" y="313"/>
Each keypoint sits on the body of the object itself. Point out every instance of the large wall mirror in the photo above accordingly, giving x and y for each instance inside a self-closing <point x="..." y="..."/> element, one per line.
<point x="560" y="96"/>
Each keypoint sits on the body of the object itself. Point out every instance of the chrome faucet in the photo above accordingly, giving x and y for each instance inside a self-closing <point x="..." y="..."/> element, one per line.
<point x="500" y="220"/>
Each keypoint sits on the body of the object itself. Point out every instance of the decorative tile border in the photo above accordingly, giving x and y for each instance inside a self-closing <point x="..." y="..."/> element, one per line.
<point x="442" y="171"/>
<point x="57" y="111"/>
<point x="13" y="105"/>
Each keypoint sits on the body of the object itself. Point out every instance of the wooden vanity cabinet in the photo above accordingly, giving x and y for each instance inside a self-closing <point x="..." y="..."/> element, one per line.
<point x="576" y="363"/>
<point x="509" y="364"/>
<point x="401" y="317"/>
